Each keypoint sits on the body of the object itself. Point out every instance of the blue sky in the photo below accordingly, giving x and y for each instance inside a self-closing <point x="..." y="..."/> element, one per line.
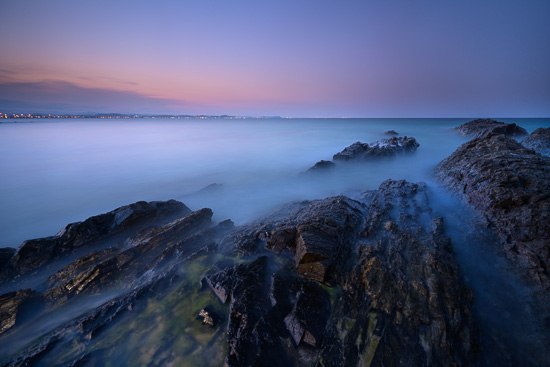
<point x="300" y="58"/>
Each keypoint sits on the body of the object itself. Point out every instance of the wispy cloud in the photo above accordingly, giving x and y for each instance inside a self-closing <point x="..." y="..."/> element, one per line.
<point x="65" y="97"/>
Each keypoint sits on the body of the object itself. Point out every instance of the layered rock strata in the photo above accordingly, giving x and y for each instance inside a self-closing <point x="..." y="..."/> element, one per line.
<point x="509" y="185"/>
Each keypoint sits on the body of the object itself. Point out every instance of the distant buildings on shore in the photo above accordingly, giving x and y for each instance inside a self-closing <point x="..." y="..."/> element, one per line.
<point x="121" y="116"/>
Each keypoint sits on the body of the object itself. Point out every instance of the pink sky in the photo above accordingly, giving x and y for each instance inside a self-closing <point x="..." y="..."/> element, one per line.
<point x="285" y="58"/>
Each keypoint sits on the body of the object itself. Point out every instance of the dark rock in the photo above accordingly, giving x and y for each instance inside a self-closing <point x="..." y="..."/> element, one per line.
<point x="322" y="166"/>
<point x="483" y="127"/>
<point x="510" y="185"/>
<point x="16" y="306"/>
<point x="151" y="250"/>
<point x="395" y="298"/>
<point x="404" y="303"/>
<point x="85" y="236"/>
<point x="391" y="132"/>
<point x="320" y="236"/>
<point x="385" y="148"/>
<point x="307" y="320"/>
<point x="539" y="141"/>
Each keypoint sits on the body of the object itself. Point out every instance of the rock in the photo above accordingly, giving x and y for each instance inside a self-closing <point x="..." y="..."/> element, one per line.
<point x="333" y="282"/>
<point x="263" y="312"/>
<point x="320" y="236"/>
<point x="509" y="185"/>
<point x="404" y="303"/>
<point x="391" y="132"/>
<point x="307" y="320"/>
<point x="483" y="127"/>
<point x="321" y="166"/>
<point x="150" y="250"/>
<point x="539" y="141"/>
<point x="16" y="306"/>
<point x="385" y="148"/>
<point x="395" y="285"/>
<point x="208" y="317"/>
<point x="83" y="237"/>
<point x="212" y="189"/>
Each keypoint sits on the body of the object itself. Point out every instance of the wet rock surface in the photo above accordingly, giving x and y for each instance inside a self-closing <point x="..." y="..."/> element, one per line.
<point x="395" y="294"/>
<point x="483" y="127"/>
<point x="46" y="255"/>
<point x="332" y="282"/>
<point x="509" y="185"/>
<point x="364" y="152"/>
<point x="384" y="148"/>
<point x="539" y="141"/>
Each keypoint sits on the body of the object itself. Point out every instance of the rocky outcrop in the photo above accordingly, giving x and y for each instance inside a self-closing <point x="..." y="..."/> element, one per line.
<point x="93" y="233"/>
<point x="391" y="133"/>
<point x="16" y="306"/>
<point x="510" y="185"/>
<point x="419" y="311"/>
<point x="384" y="148"/>
<point x="483" y="127"/>
<point x="539" y="141"/>
<point x="396" y="296"/>
<point x="150" y="250"/>
<point x="332" y="282"/>
<point x="364" y="152"/>
<point x="321" y="166"/>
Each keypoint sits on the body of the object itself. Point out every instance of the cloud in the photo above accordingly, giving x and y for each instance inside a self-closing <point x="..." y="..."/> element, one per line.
<point x="65" y="97"/>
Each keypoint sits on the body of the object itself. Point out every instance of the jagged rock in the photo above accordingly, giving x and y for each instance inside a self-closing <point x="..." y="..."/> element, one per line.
<point x="208" y="317"/>
<point x="320" y="236"/>
<point x="385" y="148"/>
<point x="15" y="306"/>
<point x="395" y="295"/>
<point x="391" y="132"/>
<point x="321" y="166"/>
<point x="150" y="249"/>
<point x="539" y="141"/>
<point x="404" y="303"/>
<point x="244" y="286"/>
<point x="483" y="127"/>
<point x="510" y="185"/>
<point x="307" y="320"/>
<point x="82" y="237"/>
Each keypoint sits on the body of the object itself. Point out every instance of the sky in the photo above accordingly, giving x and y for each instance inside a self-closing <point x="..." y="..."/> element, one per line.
<point x="298" y="58"/>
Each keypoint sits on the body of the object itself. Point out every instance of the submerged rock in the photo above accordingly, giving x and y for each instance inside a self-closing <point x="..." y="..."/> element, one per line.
<point x="208" y="317"/>
<point x="321" y="166"/>
<point x="510" y="185"/>
<point x="539" y="141"/>
<point x="483" y="127"/>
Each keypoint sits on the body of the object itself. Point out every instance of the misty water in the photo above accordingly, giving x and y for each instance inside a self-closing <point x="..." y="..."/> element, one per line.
<point x="56" y="172"/>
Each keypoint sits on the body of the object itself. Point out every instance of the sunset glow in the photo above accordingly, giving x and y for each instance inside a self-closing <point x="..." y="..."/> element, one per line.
<point x="324" y="58"/>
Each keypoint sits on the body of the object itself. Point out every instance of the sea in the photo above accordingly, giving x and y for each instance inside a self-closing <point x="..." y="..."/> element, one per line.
<point x="54" y="172"/>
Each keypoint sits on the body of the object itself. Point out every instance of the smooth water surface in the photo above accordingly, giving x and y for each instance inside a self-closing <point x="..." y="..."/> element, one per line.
<point x="59" y="171"/>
